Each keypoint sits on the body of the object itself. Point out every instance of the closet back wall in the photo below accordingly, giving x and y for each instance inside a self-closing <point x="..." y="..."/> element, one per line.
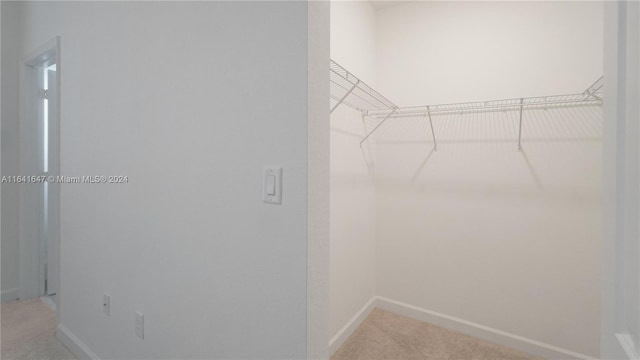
<point x="434" y="52"/>
<point x="478" y="230"/>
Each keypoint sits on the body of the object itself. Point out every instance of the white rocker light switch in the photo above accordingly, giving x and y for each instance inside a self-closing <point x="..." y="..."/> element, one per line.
<point x="272" y="185"/>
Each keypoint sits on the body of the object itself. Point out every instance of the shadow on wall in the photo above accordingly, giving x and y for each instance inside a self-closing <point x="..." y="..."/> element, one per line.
<point x="479" y="151"/>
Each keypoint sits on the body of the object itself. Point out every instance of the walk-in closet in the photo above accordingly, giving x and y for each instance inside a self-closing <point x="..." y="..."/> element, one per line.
<point x="466" y="150"/>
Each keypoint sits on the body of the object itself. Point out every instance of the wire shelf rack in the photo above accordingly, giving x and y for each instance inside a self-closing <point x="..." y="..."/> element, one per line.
<point x="349" y="90"/>
<point x="541" y="102"/>
<point x="590" y="97"/>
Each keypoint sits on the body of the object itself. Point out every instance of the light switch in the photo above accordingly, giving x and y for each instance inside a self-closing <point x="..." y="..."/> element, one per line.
<point x="271" y="185"/>
<point x="272" y="180"/>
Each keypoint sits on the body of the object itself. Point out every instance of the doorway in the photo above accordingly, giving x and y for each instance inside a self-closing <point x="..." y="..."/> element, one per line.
<point x="49" y="261"/>
<point x="39" y="162"/>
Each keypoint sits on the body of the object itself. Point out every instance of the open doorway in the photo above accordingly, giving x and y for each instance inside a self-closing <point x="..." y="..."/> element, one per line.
<point x="40" y="169"/>
<point x="49" y="261"/>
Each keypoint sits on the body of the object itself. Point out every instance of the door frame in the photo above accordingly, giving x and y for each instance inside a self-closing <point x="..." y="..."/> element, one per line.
<point x="620" y="304"/>
<point x="31" y="246"/>
<point x="318" y="237"/>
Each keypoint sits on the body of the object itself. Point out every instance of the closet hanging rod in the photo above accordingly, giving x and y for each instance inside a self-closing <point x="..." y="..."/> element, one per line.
<point x="347" y="89"/>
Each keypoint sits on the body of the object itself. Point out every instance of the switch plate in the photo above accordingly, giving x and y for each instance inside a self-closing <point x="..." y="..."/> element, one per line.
<point x="272" y="185"/>
<point x="139" y="325"/>
<point x="106" y="304"/>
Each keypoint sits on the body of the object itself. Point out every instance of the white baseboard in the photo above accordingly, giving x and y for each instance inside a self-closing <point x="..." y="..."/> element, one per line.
<point x="77" y="347"/>
<point x="351" y="326"/>
<point x="495" y="336"/>
<point x="50" y="303"/>
<point x="8" y="295"/>
<point x="537" y="348"/>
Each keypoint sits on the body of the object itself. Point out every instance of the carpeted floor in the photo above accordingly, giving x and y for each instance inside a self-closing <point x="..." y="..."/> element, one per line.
<point x="28" y="332"/>
<point x="387" y="336"/>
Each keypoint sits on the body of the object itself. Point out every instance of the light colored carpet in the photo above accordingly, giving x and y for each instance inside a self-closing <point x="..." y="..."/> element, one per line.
<point x="387" y="336"/>
<point x="28" y="332"/>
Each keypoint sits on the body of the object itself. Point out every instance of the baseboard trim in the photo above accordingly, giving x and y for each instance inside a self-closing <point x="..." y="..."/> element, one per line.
<point x="50" y="303"/>
<point x="77" y="347"/>
<point x="495" y="336"/>
<point x="9" y="295"/>
<point x="341" y="336"/>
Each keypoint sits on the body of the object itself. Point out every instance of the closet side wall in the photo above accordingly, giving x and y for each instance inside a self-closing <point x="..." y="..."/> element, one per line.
<point x="478" y="230"/>
<point x="352" y="194"/>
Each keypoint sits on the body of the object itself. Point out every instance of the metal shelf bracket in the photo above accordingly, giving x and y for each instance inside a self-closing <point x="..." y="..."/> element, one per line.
<point x="433" y="134"/>
<point x="377" y="126"/>
<point x="345" y="96"/>
<point x="520" y="127"/>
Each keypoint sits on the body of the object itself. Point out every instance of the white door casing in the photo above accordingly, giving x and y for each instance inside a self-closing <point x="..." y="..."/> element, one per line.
<point x="620" y="315"/>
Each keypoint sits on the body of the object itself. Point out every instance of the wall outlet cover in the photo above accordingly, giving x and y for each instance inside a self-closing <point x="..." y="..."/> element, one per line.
<point x="139" y="325"/>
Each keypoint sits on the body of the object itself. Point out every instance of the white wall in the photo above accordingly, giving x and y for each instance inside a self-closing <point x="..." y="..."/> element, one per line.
<point x="189" y="100"/>
<point x="10" y="245"/>
<point x="478" y="230"/>
<point x="353" y="38"/>
<point x="353" y="246"/>
<point x="434" y="52"/>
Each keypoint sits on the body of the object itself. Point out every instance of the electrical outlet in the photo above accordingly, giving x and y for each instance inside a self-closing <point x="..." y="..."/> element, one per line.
<point x="106" y="304"/>
<point x="140" y="325"/>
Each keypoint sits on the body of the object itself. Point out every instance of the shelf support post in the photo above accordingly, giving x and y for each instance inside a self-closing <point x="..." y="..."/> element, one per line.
<point x="377" y="126"/>
<point x="345" y="96"/>
<point x="433" y="134"/>
<point x="520" y="127"/>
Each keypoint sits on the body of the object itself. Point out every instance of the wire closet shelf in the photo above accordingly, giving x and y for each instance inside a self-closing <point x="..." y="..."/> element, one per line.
<point x="347" y="89"/>
<point x="591" y="96"/>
